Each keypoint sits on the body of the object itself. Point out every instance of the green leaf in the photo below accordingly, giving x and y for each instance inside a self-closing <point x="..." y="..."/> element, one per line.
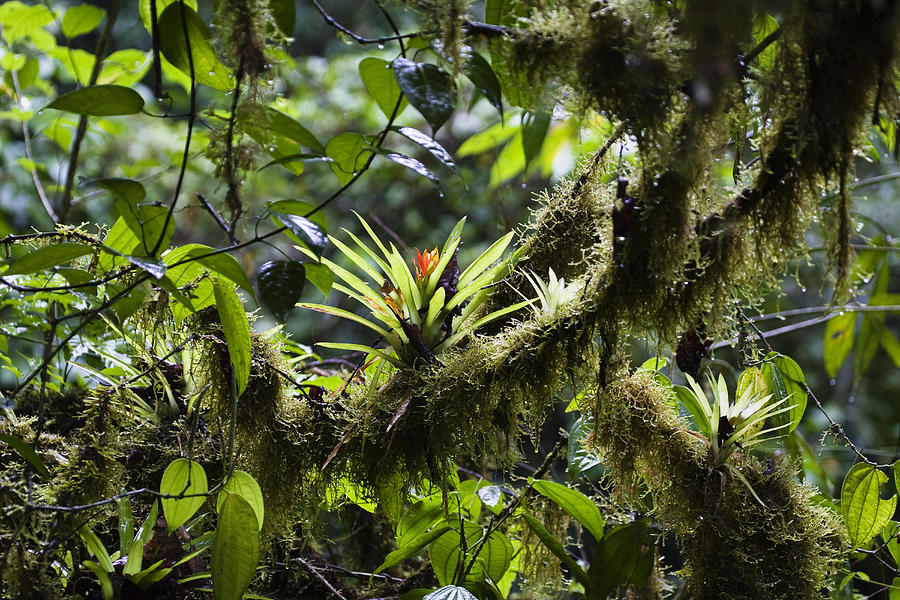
<point x="303" y="230"/>
<point x="285" y="14"/>
<point x="265" y="125"/>
<point x="435" y="149"/>
<point x="492" y="497"/>
<point x="235" y="549"/>
<point x="579" y="457"/>
<point x="301" y="209"/>
<point x="889" y="535"/>
<point x="482" y="76"/>
<point x="870" y="327"/>
<point x="320" y="276"/>
<point x="510" y="162"/>
<point x="579" y="506"/>
<point x="429" y="88"/>
<point x="349" y="151"/>
<point x="412" y="546"/>
<point x="237" y="331"/>
<point x="106" y="587"/>
<point x="95" y="547"/>
<point x="143" y="535"/>
<point x="379" y="81"/>
<point x="126" y="525"/>
<point x="81" y="19"/>
<point x="625" y="557"/>
<point x="445" y="553"/>
<point x="415" y="521"/>
<point x="556" y="547"/>
<point x="221" y="263"/>
<point x="493" y="137"/>
<point x="495" y="555"/>
<point x="243" y="484"/>
<point x="207" y="68"/>
<point x="534" y="130"/>
<point x="105" y="100"/>
<point x="838" y="340"/>
<point x="182" y="477"/>
<point x="145" y="219"/>
<point x="865" y="509"/>
<point x="450" y="592"/>
<point x="785" y="381"/>
<point x="654" y="364"/>
<point x="280" y="284"/>
<point x="48" y="256"/>
<point x="26" y="451"/>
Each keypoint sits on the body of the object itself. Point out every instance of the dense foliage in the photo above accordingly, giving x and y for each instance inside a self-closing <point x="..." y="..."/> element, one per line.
<point x="226" y="373"/>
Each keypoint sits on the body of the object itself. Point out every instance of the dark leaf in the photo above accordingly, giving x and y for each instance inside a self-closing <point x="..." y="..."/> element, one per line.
<point x="625" y="557"/>
<point x="280" y="283"/>
<point x="692" y="349"/>
<point x="100" y="101"/>
<point x="534" y="130"/>
<point x="302" y="230"/>
<point x="429" y="88"/>
<point x="26" y="451"/>
<point x="285" y="14"/>
<point x="482" y="76"/>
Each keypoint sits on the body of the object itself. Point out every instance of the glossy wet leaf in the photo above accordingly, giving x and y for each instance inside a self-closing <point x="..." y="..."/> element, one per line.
<point x="379" y="80"/>
<point x="867" y="503"/>
<point x="105" y="100"/>
<point x="429" y="89"/>
<point x="450" y="592"/>
<point x="243" y="484"/>
<point x="235" y="548"/>
<point x="237" y="331"/>
<point x="48" y="256"/>
<point x="579" y="506"/>
<point x="492" y="497"/>
<point x="410" y="163"/>
<point x="280" y="284"/>
<point x="302" y="230"/>
<point x="427" y="142"/>
<point x="182" y="477"/>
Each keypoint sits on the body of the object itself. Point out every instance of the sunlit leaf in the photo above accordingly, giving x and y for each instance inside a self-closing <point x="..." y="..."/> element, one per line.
<point x="206" y="66"/>
<point x="243" y="484"/>
<point x="867" y="502"/>
<point x="379" y="80"/>
<point x="785" y="381"/>
<point x="182" y="477"/>
<point x="412" y="547"/>
<point x="81" y="19"/>
<point x="435" y="149"/>
<point x="48" y="256"/>
<point x="579" y="506"/>
<point x="235" y="548"/>
<point x="26" y="451"/>
<point x="838" y="340"/>
<point x="237" y="331"/>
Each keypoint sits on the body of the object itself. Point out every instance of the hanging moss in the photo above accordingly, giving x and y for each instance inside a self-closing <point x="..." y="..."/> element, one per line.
<point x="735" y="547"/>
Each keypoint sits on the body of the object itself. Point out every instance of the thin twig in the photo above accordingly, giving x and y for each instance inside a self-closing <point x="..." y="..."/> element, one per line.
<point x="318" y="575"/>
<point x="26" y="134"/>
<point x="360" y="39"/>
<point x="217" y="217"/>
<point x="111" y="16"/>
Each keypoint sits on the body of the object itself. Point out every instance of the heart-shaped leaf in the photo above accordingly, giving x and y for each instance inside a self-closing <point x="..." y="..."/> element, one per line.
<point x="182" y="477"/>
<point x="429" y="88"/>
<point x="280" y="283"/>
<point x="866" y="503"/>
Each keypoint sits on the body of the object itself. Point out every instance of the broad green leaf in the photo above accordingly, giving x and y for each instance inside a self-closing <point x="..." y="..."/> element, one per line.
<point x="182" y="477"/>
<point x="144" y="9"/>
<point x="493" y="137"/>
<point x="870" y="327"/>
<point x="237" y="331"/>
<point x="496" y="555"/>
<point x="379" y="80"/>
<point x="145" y="219"/>
<point x="654" y="364"/>
<point x="95" y="547"/>
<point x="763" y="25"/>
<point x="838" y="340"/>
<point x="129" y="190"/>
<point x="625" y="557"/>
<point x="26" y="451"/>
<point x="429" y="89"/>
<point x="223" y="264"/>
<point x="271" y="128"/>
<point x="243" y="484"/>
<point x="891" y="345"/>
<point x="412" y="546"/>
<point x="865" y="504"/>
<point x="349" y="151"/>
<point x="445" y="553"/>
<point x="18" y="19"/>
<point x="81" y="19"/>
<point x="556" y="547"/>
<point x="302" y="230"/>
<point x="785" y="381"/>
<point x="435" y="149"/>
<point x="450" y="592"/>
<point x="285" y="14"/>
<point x="207" y="68"/>
<point x="415" y="521"/>
<point x="752" y="379"/>
<point x="579" y="506"/>
<point x="48" y="256"/>
<point x="235" y="548"/>
<point x="510" y="162"/>
<point x="534" y="130"/>
<point x="125" y="67"/>
<point x="105" y="100"/>
<point x="280" y="284"/>
<point x="894" y="592"/>
<point x="482" y="76"/>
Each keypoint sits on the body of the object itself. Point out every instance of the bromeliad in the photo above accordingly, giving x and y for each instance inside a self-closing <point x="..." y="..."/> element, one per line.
<point x="422" y="315"/>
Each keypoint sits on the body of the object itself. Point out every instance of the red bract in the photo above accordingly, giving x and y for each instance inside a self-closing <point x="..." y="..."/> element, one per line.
<point x="426" y="262"/>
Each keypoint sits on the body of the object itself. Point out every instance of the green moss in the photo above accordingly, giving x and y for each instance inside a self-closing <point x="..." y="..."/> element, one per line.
<point x="735" y="547"/>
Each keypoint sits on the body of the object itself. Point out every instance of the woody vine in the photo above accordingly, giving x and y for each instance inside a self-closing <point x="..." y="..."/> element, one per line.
<point x="158" y="440"/>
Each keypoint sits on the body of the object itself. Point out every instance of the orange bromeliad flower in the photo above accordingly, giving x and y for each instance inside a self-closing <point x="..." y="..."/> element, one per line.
<point x="426" y="262"/>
